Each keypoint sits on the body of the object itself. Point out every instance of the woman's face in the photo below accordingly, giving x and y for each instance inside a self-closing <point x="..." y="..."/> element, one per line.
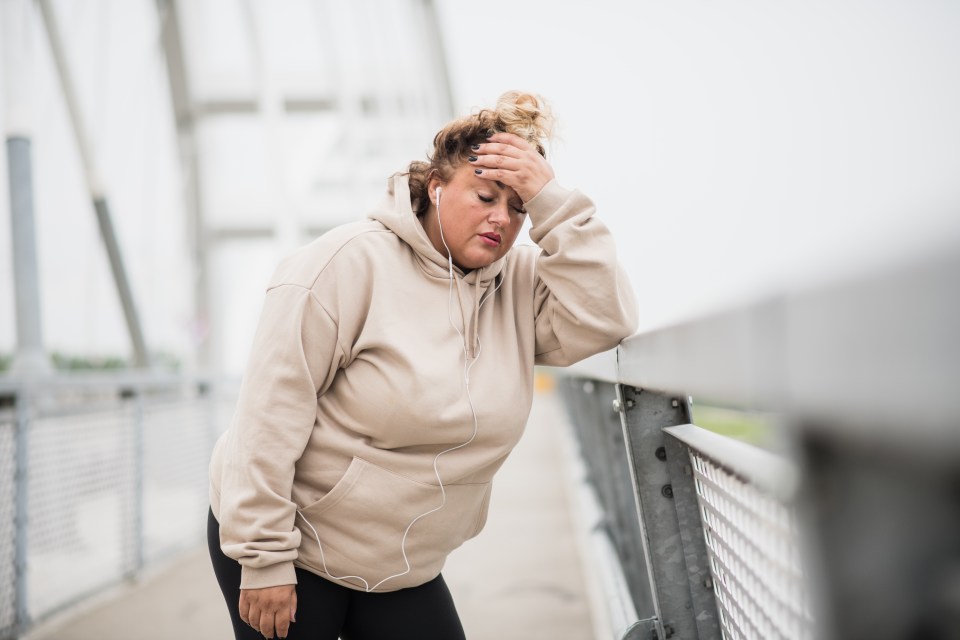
<point x="480" y="218"/>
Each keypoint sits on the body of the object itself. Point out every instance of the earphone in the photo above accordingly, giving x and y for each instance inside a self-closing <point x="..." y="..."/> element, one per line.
<point x="467" y="365"/>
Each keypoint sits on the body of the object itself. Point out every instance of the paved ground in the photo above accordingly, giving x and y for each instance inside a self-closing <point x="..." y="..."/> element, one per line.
<point x="519" y="580"/>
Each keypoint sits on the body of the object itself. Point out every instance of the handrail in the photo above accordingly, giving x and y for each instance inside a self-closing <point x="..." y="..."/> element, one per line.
<point x="767" y="471"/>
<point x="862" y="375"/>
<point x="126" y="378"/>
<point x="833" y="352"/>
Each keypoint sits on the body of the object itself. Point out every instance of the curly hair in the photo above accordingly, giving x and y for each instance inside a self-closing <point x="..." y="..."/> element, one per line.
<point x="522" y="114"/>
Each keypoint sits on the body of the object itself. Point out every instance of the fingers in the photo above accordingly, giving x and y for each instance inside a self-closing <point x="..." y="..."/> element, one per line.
<point x="245" y="606"/>
<point x="510" y="159"/>
<point x="269" y="611"/>
<point x="511" y="139"/>
<point x="265" y="626"/>
<point x="281" y="621"/>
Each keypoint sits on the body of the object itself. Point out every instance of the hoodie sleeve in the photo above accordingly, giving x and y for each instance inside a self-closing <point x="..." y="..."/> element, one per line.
<point x="583" y="301"/>
<point x="295" y="355"/>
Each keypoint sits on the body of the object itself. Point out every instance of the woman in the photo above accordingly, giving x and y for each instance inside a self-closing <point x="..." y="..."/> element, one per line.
<point x="391" y="375"/>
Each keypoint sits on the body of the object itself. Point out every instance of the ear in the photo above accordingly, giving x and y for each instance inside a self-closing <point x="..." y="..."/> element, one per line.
<point x="432" y="185"/>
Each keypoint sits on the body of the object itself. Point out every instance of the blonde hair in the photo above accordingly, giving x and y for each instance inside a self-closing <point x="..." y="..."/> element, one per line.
<point x="522" y="114"/>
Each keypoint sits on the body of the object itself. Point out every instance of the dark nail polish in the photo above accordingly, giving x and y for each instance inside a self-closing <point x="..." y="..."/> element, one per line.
<point x="472" y="159"/>
<point x="475" y="147"/>
<point x="478" y="171"/>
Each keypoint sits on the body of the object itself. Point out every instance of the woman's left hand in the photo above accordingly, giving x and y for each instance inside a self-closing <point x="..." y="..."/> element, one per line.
<point x="510" y="159"/>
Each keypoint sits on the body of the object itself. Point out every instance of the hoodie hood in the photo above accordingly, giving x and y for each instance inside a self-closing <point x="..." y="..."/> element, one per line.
<point x="396" y="213"/>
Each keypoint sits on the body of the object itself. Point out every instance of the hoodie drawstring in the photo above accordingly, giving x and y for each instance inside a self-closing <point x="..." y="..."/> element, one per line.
<point x="470" y="335"/>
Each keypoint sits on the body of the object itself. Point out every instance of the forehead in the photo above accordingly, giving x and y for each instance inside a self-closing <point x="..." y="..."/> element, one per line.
<point x="464" y="176"/>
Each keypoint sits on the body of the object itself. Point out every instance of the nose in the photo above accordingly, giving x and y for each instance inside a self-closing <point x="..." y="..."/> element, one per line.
<point x="500" y="214"/>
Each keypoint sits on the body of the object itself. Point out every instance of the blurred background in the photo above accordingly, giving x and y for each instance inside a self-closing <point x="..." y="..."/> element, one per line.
<point x="743" y="146"/>
<point x="162" y="155"/>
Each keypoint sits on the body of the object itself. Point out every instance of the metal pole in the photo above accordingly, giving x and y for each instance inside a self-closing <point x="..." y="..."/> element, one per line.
<point x="438" y="55"/>
<point x="139" y="492"/>
<point x="183" y="109"/>
<point x="30" y="358"/>
<point x="21" y="480"/>
<point x="674" y="560"/>
<point x="95" y="186"/>
<point x="270" y="111"/>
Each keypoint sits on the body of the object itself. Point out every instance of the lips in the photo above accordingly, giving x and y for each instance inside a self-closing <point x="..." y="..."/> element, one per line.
<point x="491" y="238"/>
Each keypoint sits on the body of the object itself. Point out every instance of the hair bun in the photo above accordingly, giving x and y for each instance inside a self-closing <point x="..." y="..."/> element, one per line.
<point x="526" y="115"/>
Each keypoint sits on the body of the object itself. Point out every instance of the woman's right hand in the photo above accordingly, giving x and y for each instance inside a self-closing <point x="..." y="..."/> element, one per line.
<point x="269" y="610"/>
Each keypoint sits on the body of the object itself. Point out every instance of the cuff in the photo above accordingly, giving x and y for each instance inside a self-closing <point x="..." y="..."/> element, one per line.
<point x="270" y="576"/>
<point x="547" y="200"/>
<point x="553" y="206"/>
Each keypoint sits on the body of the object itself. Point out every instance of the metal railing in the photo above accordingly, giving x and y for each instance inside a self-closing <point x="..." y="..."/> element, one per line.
<point x="846" y="525"/>
<point x="100" y="478"/>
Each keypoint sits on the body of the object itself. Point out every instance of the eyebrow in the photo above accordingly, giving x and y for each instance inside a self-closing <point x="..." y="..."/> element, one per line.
<point x="503" y="186"/>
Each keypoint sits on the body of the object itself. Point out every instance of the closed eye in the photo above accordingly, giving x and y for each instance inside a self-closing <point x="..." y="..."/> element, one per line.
<point x="488" y="199"/>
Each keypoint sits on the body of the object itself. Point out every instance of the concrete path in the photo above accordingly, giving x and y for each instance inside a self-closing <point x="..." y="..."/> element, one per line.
<point x="519" y="580"/>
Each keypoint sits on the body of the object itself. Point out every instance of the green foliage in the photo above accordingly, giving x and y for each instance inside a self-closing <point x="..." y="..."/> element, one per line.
<point x="751" y="427"/>
<point x="65" y="362"/>
<point x="73" y="362"/>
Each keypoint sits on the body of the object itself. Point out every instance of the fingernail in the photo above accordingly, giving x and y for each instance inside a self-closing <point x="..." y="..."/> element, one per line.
<point x="478" y="171"/>
<point x="472" y="159"/>
<point x="475" y="147"/>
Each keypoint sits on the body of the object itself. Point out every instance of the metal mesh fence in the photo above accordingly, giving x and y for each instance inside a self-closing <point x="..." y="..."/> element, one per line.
<point x="8" y="505"/>
<point x="115" y="479"/>
<point x="177" y="437"/>
<point x="81" y="504"/>
<point x="753" y="545"/>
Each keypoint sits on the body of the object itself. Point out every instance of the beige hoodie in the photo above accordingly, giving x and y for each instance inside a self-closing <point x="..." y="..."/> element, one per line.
<point x="347" y="455"/>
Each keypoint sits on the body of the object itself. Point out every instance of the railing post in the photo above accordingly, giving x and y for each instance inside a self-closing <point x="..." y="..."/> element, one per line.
<point x="669" y="516"/>
<point x="132" y="524"/>
<point x="21" y="480"/>
<point x="695" y="554"/>
<point x="138" y="486"/>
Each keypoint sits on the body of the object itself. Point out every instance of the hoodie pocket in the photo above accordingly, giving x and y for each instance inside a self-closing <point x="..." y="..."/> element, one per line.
<point x="361" y="524"/>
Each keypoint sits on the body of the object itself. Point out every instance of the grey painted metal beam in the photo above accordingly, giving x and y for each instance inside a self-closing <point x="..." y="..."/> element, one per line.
<point x="696" y="560"/>
<point x="184" y="111"/>
<point x="30" y="358"/>
<point x="672" y="555"/>
<point x="438" y="54"/>
<point x="16" y="18"/>
<point x="24" y="401"/>
<point x="95" y="187"/>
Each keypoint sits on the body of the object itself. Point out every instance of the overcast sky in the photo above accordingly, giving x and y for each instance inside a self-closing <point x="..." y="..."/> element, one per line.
<point x="741" y="146"/>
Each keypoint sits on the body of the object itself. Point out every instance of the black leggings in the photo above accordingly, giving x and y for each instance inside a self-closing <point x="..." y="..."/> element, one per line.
<point x="327" y="611"/>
